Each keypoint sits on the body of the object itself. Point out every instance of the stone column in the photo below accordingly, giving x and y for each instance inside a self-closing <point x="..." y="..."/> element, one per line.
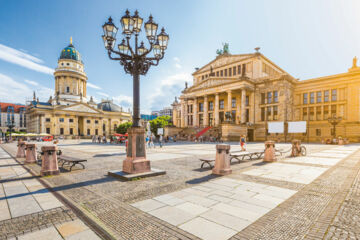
<point x="195" y="114"/>
<point x="238" y="109"/>
<point x="186" y="114"/>
<point x="49" y="165"/>
<point x="216" y="109"/>
<point x="243" y="111"/>
<point x="30" y="153"/>
<point x="222" y="160"/>
<point x="182" y="119"/>
<point x="229" y="101"/>
<point x="206" y="114"/>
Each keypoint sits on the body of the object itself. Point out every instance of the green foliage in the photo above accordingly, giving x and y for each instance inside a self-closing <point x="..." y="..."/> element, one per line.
<point x="159" y="122"/>
<point x="123" y="127"/>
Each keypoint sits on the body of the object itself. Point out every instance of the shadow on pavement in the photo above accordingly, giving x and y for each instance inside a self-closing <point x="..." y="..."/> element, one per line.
<point x="202" y="179"/>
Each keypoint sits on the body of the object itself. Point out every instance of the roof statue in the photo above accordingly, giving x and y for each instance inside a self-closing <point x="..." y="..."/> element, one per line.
<point x="354" y="62"/>
<point x="34" y="96"/>
<point x="225" y="50"/>
<point x="186" y="85"/>
<point x="71" y="40"/>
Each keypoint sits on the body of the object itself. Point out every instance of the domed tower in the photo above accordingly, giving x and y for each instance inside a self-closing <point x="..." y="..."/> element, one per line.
<point x="70" y="78"/>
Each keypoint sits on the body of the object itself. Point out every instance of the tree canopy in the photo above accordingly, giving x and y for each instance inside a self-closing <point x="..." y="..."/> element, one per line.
<point x="123" y="127"/>
<point x="159" y="122"/>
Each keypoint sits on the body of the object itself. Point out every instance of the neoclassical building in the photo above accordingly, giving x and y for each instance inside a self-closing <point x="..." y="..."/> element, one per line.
<point x="69" y="112"/>
<point x="242" y="93"/>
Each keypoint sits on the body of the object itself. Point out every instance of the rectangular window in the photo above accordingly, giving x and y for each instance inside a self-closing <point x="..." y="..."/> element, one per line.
<point x="268" y="114"/>
<point x="318" y="97"/>
<point x="201" y="120"/>
<point x="61" y="119"/>
<point x="48" y="130"/>
<point x="88" y="132"/>
<point x="96" y="121"/>
<point x="88" y="121"/>
<point x="305" y="98"/>
<point x="201" y="107"/>
<point x="71" y="130"/>
<point x="96" y="132"/>
<point x="262" y="98"/>
<point x="304" y="114"/>
<point x="269" y="97"/>
<point x="230" y="73"/>
<point x="47" y="119"/>
<point x="239" y="69"/>
<point x="311" y="114"/>
<point x="217" y="73"/>
<point x="233" y="102"/>
<point x="312" y="97"/>
<point x="262" y="114"/>
<point x="333" y="95"/>
<point x="275" y="113"/>
<point x="333" y="110"/>
<point x="202" y="77"/>
<point x="225" y="72"/>
<point x="221" y="103"/>
<point x="71" y="120"/>
<point x="221" y="73"/>
<point x="234" y="71"/>
<point x="233" y="115"/>
<point x="247" y="115"/>
<point x="326" y="96"/>
<point x="61" y="131"/>
<point x="211" y="106"/>
<point x="247" y="101"/>
<point x="318" y="113"/>
<point x="326" y="112"/>
<point x="275" y="93"/>
<point x="318" y="132"/>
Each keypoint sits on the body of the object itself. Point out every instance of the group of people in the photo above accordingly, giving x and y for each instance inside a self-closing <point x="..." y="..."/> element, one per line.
<point x="99" y="139"/>
<point x="150" y="141"/>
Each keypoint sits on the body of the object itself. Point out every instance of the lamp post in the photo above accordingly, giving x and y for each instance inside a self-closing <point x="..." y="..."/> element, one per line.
<point x="135" y="62"/>
<point x="334" y="121"/>
<point x="10" y="125"/>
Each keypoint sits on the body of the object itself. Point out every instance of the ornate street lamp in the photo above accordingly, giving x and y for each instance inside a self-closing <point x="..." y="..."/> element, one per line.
<point x="334" y="121"/>
<point x="11" y="126"/>
<point x="135" y="62"/>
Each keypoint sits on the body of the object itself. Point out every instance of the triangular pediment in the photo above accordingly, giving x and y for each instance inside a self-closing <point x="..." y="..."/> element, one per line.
<point x="211" y="83"/>
<point x="80" y="107"/>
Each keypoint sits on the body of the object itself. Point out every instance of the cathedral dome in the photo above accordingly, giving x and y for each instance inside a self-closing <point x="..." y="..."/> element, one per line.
<point x="109" y="106"/>
<point x="70" y="53"/>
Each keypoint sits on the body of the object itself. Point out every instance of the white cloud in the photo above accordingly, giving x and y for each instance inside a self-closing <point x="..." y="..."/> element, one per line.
<point x="176" y="59"/>
<point x="178" y="66"/>
<point x="166" y="92"/>
<point x="103" y="94"/>
<point x="31" y="82"/>
<point x="90" y="85"/>
<point x="20" y="91"/>
<point x="177" y="62"/>
<point x="122" y="100"/>
<point x="15" y="56"/>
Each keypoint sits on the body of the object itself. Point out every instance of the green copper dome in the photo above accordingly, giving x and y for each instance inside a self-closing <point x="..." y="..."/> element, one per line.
<point x="70" y="53"/>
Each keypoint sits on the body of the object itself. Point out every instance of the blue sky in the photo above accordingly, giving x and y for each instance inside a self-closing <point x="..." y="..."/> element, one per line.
<point x="306" y="38"/>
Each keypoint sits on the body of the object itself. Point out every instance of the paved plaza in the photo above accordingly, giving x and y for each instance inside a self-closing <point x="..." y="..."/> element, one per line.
<point x="311" y="197"/>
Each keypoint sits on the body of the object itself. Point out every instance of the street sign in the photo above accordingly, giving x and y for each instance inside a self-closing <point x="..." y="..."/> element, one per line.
<point x="160" y="131"/>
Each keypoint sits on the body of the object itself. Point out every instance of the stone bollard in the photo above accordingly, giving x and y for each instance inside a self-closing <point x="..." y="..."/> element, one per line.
<point x="341" y="141"/>
<point x="222" y="161"/>
<point x="49" y="165"/>
<point x="30" y="153"/>
<point x="295" y="151"/>
<point x="21" y="150"/>
<point x="269" y="155"/>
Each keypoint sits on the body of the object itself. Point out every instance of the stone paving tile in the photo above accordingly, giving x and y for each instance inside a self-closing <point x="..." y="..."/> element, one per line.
<point x="192" y="208"/>
<point x="85" y="235"/>
<point x="207" y="230"/>
<point x="148" y="205"/>
<point x="226" y="220"/>
<point x="70" y="228"/>
<point x="44" y="234"/>
<point x="172" y="215"/>
<point x="243" y="213"/>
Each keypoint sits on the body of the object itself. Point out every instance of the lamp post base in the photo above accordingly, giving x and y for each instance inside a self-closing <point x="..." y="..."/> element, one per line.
<point x="136" y="161"/>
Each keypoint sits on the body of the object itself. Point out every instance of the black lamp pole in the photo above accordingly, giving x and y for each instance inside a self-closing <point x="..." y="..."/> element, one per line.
<point x="334" y="121"/>
<point x="134" y="58"/>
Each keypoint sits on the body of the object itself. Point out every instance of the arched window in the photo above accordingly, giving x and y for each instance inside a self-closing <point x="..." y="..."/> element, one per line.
<point x="115" y="127"/>
<point x="104" y="127"/>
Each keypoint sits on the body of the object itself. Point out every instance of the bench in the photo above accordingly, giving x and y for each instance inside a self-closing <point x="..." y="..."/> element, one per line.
<point x="242" y="154"/>
<point x="207" y="161"/>
<point x="71" y="160"/>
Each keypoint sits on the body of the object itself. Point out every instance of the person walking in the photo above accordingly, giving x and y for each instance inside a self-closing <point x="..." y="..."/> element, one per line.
<point x="243" y="142"/>
<point x="161" y="140"/>
<point x="147" y="141"/>
<point x="152" y="138"/>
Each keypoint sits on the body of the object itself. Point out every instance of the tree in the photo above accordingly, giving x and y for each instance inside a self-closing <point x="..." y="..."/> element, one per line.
<point x="123" y="127"/>
<point x="159" y="122"/>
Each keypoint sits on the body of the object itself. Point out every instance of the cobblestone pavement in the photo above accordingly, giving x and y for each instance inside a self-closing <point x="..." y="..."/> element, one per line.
<point x="109" y="201"/>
